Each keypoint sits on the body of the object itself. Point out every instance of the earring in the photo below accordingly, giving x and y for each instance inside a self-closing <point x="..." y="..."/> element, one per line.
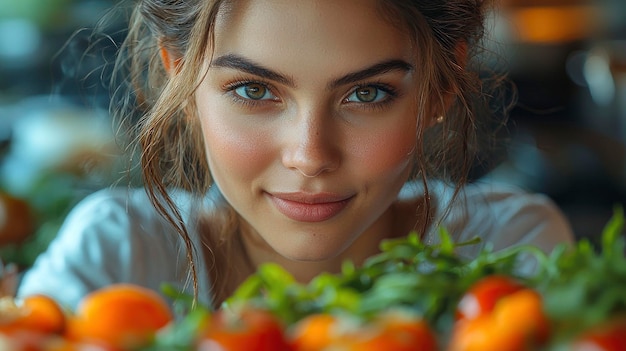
<point x="439" y="119"/>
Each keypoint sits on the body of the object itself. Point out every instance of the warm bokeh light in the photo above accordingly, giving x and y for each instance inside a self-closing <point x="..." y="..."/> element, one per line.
<point x="554" y="24"/>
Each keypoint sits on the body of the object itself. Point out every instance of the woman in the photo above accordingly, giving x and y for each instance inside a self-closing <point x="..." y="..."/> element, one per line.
<point x="297" y="132"/>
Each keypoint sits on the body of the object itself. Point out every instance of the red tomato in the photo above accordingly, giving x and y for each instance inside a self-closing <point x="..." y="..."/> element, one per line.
<point x="247" y="329"/>
<point x="517" y="323"/>
<point x="609" y="336"/>
<point x="482" y="297"/>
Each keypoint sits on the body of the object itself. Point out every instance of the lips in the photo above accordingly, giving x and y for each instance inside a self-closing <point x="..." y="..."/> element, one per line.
<point x="304" y="207"/>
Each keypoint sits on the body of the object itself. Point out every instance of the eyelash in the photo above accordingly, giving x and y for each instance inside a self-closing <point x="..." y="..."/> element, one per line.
<point x="230" y="88"/>
<point x="392" y="94"/>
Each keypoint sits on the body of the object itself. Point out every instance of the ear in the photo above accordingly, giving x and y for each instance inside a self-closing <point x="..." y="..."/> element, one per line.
<point x="170" y="63"/>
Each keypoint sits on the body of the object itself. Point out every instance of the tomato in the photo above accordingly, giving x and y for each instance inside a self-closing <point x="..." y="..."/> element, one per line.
<point x="314" y="332"/>
<point x="395" y="332"/>
<point x="36" y="313"/>
<point x="120" y="316"/>
<point x="516" y="323"/>
<point x="608" y="336"/>
<point x="16" y="219"/>
<point x="245" y="329"/>
<point x="389" y="331"/>
<point x="482" y="297"/>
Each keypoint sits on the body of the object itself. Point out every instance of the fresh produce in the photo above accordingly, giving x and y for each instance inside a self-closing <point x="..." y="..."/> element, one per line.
<point x="516" y="322"/>
<point x="123" y="316"/>
<point x="392" y="330"/>
<point x="606" y="336"/>
<point x="411" y="296"/>
<point x="16" y="219"/>
<point x="115" y="318"/>
<point x="483" y="296"/>
<point x="38" y="313"/>
<point x="243" y="330"/>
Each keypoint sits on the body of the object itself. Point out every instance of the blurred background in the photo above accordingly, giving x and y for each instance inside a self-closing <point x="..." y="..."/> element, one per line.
<point x="567" y="132"/>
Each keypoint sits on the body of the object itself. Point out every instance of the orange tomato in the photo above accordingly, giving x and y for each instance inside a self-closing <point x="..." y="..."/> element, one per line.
<point x="391" y="331"/>
<point x="314" y="332"/>
<point x="482" y="297"/>
<point x="516" y="323"/>
<point x="123" y="316"/>
<point x="245" y="329"/>
<point x="394" y="332"/>
<point x="37" y="313"/>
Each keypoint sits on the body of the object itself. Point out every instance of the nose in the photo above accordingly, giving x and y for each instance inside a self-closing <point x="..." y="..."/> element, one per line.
<point x="313" y="145"/>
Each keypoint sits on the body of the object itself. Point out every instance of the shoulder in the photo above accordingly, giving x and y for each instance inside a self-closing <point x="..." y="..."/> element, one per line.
<point x="502" y="215"/>
<point x="113" y="235"/>
<point x="126" y="213"/>
<point x="124" y="202"/>
<point x="114" y="217"/>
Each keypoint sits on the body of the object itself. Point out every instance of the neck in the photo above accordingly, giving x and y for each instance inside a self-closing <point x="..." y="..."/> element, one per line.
<point x="397" y="221"/>
<point x="248" y="251"/>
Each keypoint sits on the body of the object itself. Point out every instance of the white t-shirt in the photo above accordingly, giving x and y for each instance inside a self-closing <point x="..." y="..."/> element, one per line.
<point x="115" y="235"/>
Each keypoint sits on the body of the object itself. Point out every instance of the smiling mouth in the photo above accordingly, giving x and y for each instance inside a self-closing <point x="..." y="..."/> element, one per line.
<point x="309" y="208"/>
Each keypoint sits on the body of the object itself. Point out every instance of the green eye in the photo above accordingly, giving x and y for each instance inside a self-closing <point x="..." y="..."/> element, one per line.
<point x="254" y="91"/>
<point x="367" y="94"/>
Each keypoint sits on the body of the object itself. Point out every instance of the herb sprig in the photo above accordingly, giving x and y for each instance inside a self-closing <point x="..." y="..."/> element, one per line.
<point x="581" y="285"/>
<point x="408" y="273"/>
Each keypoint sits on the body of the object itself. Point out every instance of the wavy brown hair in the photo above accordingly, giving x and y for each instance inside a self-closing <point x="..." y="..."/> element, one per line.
<point x="160" y="108"/>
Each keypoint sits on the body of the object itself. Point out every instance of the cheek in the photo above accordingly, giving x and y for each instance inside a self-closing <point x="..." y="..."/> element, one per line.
<point x="388" y="153"/>
<point x="233" y="149"/>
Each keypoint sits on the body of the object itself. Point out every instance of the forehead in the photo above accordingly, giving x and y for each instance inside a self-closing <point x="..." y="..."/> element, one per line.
<point x="343" y="31"/>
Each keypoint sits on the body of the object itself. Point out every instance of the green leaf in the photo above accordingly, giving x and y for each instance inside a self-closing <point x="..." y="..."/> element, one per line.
<point x="348" y="269"/>
<point x="613" y="229"/>
<point x="275" y="275"/>
<point x="181" y="336"/>
<point x="447" y="244"/>
<point x="181" y="301"/>
<point x="250" y="288"/>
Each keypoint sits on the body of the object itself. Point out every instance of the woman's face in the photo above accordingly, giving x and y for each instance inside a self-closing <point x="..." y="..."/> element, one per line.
<point x="309" y="117"/>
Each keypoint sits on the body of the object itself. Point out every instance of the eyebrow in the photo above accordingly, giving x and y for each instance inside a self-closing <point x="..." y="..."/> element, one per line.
<point x="372" y="71"/>
<point x="245" y="65"/>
